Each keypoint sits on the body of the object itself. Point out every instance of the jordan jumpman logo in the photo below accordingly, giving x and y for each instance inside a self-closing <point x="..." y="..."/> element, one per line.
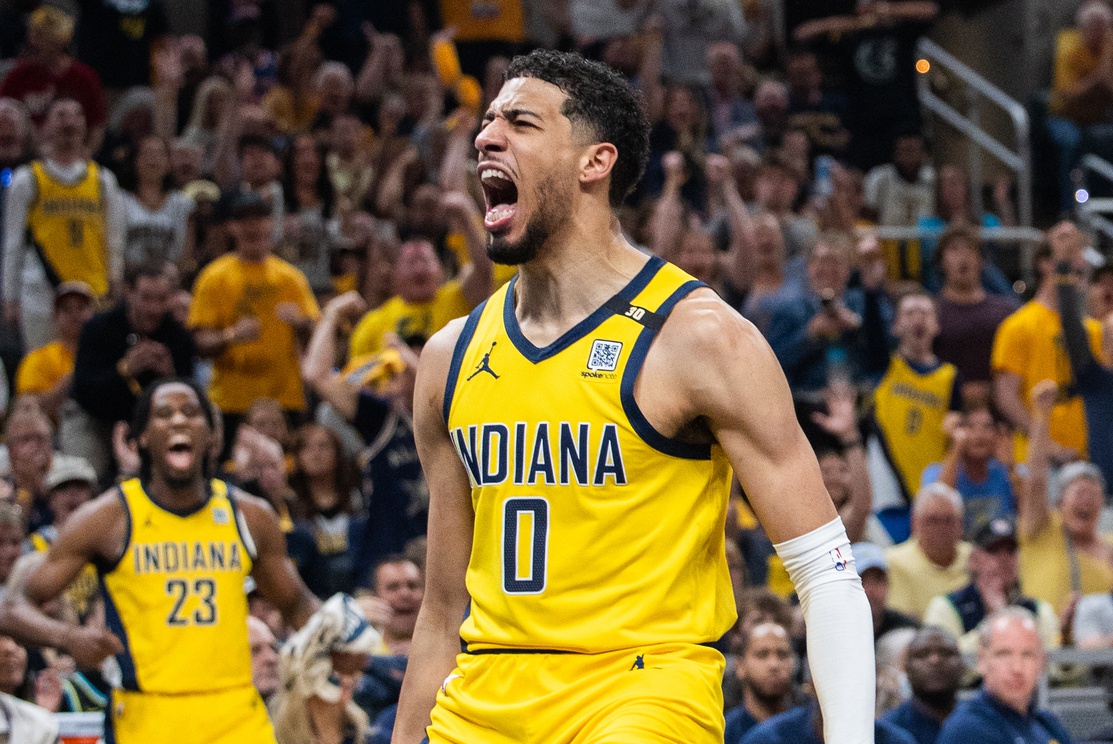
<point x="484" y="364"/>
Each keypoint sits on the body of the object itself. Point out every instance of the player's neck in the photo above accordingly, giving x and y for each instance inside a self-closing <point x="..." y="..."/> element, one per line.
<point x="176" y="497"/>
<point x="571" y="279"/>
<point x="916" y="353"/>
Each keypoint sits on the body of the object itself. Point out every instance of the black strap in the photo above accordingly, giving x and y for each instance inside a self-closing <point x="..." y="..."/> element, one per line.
<point x="644" y="316"/>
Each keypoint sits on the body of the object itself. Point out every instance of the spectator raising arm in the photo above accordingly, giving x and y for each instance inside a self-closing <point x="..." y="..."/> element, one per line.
<point x="317" y="368"/>
<point x="1033" y="509"/>
<point x="668" y="212"/>
<point x="841" y="422"/>
<point x="463" y="216"/>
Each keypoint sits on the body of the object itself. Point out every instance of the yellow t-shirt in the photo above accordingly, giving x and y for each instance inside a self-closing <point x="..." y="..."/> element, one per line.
<point x="1029" y="343"/>
<point x="41" y="369"/>
<point x="485" y="20"/>
<point x="1045" y="566"/>
<point x="408" y="319"/>
<point x="1073" y="62"/>
<point x="229" y="289"/>
<point x="914" y="579"/>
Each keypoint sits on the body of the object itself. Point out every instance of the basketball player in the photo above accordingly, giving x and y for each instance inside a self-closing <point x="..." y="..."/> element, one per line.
<point x="577" y="433"/>
<point x="172" y="549"/>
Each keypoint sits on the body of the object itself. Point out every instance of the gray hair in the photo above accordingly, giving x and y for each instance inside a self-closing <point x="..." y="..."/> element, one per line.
<point x="1012" y="612"/>
<point x="1071" y="472"/>
<point x="1091" y="12"/>
<point x="937" y="492"/>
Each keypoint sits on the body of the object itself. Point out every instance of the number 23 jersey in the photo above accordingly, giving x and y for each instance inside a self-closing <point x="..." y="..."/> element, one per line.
<point x="592" y="531"/>
<point x="176" y="597"/>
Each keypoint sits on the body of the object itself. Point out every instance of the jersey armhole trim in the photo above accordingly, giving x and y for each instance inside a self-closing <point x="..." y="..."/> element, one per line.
<point x="105" y="566"/>
<point x="240" y="522"/>
<point x="652" y="437"/>
<point x="458" y="352"/>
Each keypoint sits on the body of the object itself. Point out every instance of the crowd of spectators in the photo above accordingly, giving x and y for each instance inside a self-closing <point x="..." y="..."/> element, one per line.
<point x="287" y="222"/>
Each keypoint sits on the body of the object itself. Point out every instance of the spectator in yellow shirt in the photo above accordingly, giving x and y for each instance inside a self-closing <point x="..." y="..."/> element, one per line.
<point x="934" y="560"/>
<point x="248" y="313"/>
<point x="1028" y="348"/>
<point x="424" y="302"/>
<point x="46" y="372"/>
<point x="1081" y="89"/>
<point x="1062" y="553"/>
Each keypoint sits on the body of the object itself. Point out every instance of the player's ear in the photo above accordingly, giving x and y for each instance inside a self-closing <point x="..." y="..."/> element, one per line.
<point x="597" y="162"/>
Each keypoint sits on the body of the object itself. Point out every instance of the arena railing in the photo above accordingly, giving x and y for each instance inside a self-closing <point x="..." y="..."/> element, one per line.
<point x="976" y="90"/>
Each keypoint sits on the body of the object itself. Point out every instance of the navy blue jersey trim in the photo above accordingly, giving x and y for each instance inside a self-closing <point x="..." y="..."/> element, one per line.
<point x="587" y="325"/>
<point x="644" y="429"/>
<point x="458" y="357"/>
<point x="103" y="565"/>
<point x="116" y="625"/>
<point x="247" y="546"/>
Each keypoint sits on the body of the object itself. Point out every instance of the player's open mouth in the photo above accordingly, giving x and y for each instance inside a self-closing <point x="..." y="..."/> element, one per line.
<point x="180" y="455"/>
<point x="501" y="195"/>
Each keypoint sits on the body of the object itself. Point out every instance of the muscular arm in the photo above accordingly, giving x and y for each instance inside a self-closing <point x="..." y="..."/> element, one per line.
<point x="451" y="520"/>
<point x="96" y="530"/>
<point x="710" y="364"/>
<point x="317" y="366"/>
<point x="274" y="572"/>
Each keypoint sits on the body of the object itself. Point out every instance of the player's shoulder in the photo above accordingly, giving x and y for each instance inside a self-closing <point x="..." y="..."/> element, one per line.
<point x="442" y="344"/>
<point x="703" y="325"/>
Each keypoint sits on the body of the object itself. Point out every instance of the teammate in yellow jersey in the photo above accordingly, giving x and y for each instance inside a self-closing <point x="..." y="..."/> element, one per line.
<point x="577" y="433"/>
<point x="172" y="549"/>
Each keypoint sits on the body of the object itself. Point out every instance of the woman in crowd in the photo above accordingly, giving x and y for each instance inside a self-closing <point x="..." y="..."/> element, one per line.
<point x="311" y="230"/>
<point x="158" y="228"/>
<point x="326" y="543"/>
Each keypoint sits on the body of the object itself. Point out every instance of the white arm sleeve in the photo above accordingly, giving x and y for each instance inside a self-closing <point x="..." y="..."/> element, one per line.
<point x="18" y="200"/>
<point x="840" y="630"/>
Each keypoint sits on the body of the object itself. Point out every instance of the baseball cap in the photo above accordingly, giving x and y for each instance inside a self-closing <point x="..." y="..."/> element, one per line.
<point x="65" y="289"/>
<point x="66" y="469"/>
<point x="996" y="531"/>
<point x="867" y="556"/>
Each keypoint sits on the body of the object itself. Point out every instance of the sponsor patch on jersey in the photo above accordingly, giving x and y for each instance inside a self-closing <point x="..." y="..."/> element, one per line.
<point x="220" y="515"/>
<point x="604" y="355"/>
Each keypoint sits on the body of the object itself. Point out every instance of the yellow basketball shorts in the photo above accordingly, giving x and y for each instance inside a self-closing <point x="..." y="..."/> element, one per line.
<point x="666" y="693"/>
<point x="235" y="716"/>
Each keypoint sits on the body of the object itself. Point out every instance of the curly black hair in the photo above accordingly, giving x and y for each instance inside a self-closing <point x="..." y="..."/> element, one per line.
<point x="600" y="99"/>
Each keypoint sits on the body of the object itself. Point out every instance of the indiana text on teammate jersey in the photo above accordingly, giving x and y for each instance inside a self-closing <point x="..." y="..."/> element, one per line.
<point x="176" y="611"/>
<point x="580" y="567"/>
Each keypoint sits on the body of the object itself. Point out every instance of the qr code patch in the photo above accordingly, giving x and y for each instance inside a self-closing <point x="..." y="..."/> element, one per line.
<point x="604" y="355"/>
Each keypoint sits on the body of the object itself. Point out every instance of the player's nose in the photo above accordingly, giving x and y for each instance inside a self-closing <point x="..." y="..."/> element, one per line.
<point x="491" y="137"/>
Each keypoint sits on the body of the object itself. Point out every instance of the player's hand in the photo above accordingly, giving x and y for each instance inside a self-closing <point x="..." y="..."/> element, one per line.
<point x="245" y="330"/>
<point x="90" y="646"/>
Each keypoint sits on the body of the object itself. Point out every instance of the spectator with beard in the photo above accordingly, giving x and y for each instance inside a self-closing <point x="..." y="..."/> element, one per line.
<point x="765" y="667"/>
<point x="934" y="667"/>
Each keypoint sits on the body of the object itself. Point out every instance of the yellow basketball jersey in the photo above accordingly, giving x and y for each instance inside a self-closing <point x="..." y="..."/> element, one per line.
<point x="593" y="531"/>
<point x="66" y="224"/>
<point x="909" y="408"/>
<point x="176" y="597"/>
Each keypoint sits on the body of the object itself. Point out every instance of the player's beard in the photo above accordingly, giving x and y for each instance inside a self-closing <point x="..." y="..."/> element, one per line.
<point x="550" y="214"/>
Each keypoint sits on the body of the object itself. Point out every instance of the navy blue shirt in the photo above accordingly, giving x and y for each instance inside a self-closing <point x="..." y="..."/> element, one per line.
<point x="797" y="726"/>
<point x="985" y="720"/>
<point x="739" y="722"/>
<point x="913" y="718"/>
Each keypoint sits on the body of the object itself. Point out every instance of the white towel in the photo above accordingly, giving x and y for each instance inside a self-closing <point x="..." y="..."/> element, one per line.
<point x="305" y="666"/>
